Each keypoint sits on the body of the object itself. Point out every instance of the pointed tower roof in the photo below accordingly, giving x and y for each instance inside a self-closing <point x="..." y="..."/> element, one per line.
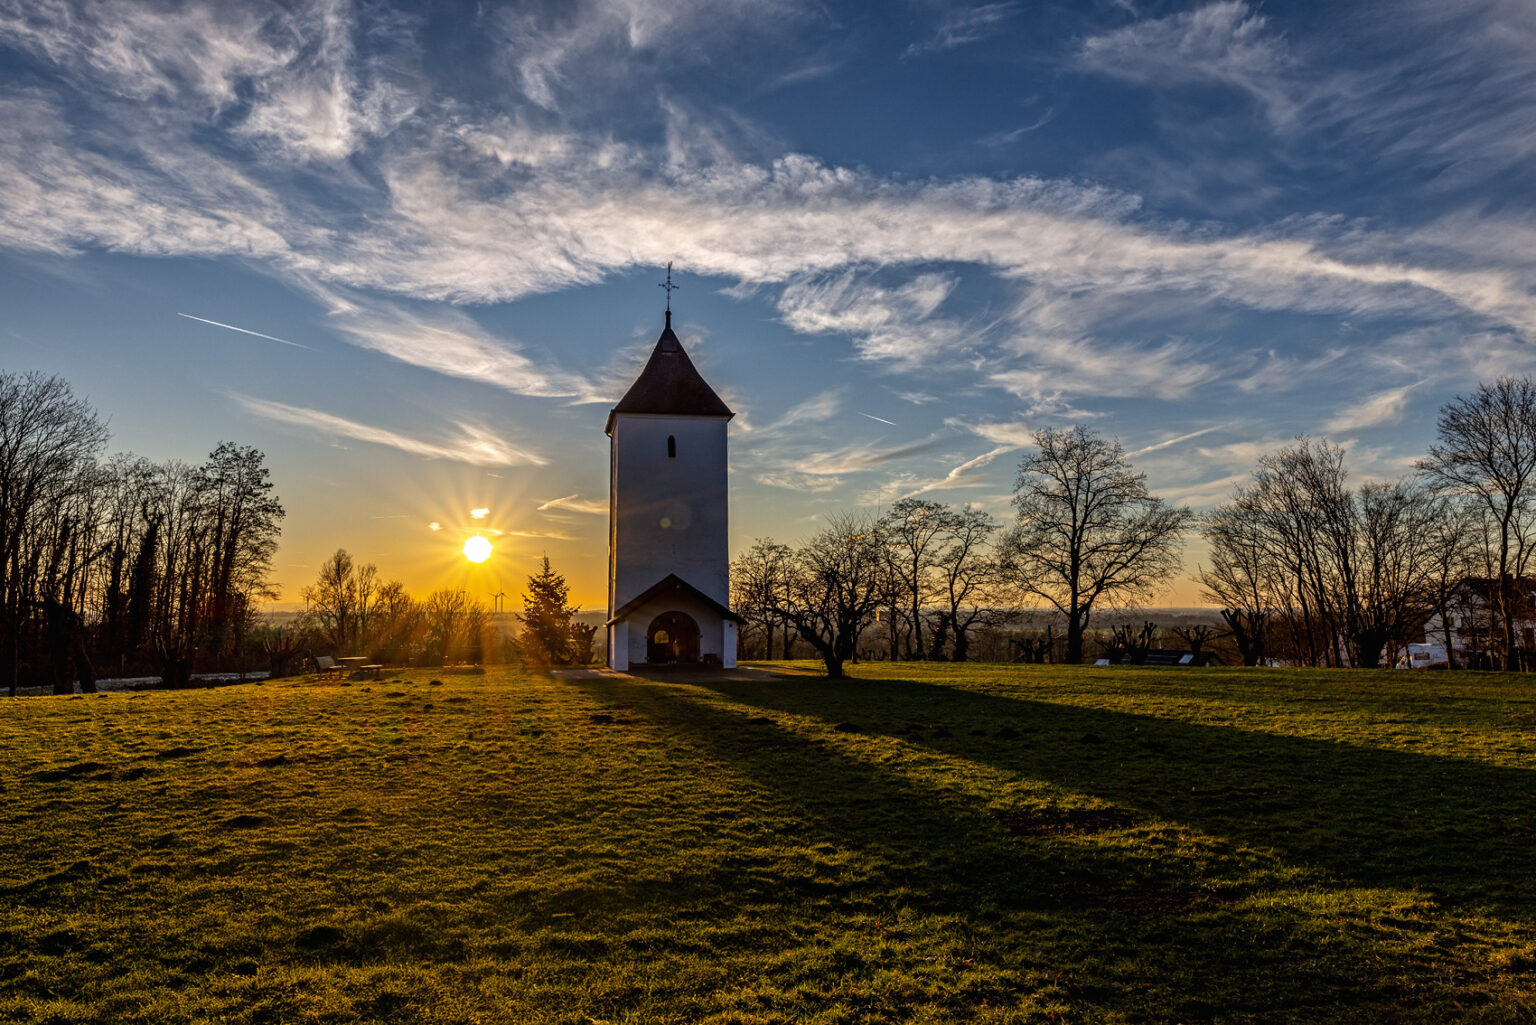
<point x="670" y="385"/>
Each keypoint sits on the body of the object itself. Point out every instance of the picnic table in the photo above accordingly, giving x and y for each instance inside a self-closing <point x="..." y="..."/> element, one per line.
<point x="360" y="664"/>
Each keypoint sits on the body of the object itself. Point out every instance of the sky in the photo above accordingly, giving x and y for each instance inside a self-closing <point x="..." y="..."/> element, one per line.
<point x="411" y="252"/>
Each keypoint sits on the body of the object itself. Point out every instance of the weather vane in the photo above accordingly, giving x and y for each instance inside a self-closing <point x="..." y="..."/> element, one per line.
<point x="669" y="287"/>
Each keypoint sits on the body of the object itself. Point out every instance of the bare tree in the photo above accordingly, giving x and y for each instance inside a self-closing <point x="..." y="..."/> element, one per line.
<point x="1350" y="572"/>
<point x="47" y="439"/>
<point x="1195" y="636"/>
<point x="759" y="578"/>
<point x="1487" y="452"/>
<point x="914" y="531"/>
<point x="1242" y="579"/>
<point x="332" y="601"/>
<point x="1088" y="530"/>
<point x="969" y="582"/>
<point x="1396" y="562"/>
<point x="837" y="581"/>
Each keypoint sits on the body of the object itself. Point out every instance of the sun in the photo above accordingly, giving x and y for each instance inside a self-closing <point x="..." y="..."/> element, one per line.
<point x="477" y="549"/>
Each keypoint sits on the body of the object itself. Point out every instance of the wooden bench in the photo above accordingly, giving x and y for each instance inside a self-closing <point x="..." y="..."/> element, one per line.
<point x="325" y="665"/>
<point x="376" y="671"/>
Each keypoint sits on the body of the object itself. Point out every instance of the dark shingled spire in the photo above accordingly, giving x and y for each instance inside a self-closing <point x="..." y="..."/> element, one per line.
<point x="669" y="385"/>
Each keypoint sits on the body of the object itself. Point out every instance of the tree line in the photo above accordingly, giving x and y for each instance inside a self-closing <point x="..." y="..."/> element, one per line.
<point x="121" y="562"/>
<point x="1304" y="567"/>
<point x="1314" y="571"/>
<point x="1087" y="534"/>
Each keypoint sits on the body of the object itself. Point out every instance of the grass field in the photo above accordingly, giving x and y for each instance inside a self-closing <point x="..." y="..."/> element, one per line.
<point x="917" y="844"/>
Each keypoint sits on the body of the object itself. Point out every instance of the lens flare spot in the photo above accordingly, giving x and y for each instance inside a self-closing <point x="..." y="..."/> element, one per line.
<point x="477" y="549"/>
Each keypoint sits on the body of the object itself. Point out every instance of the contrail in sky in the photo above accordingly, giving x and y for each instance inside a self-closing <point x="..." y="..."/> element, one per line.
<point x="880" y="418"/>
<point x="258" y="334"/>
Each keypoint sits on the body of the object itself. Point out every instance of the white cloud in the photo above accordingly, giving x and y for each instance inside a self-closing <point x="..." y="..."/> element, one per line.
<point x="1014" y="435"/>
<point x="451" y="343"/>
<point x="817" y="409"/>
<point x="575" y="503"/>
<point x="1224" y="42"/>
<point x="856" y="458"/>
<point x="966" y="475"/>
<point x="1381" y="408"/>
<point x="543" y="43"/>
<point x="894" y="325"/>
<point x="804" y="482"/>
<point x="475" y="445"/>
<point x="964" y="24"/>
<point x="488" y="208"/>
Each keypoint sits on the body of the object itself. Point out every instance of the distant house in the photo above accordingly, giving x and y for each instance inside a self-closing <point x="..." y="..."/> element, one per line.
<point x="1476" y="625"/>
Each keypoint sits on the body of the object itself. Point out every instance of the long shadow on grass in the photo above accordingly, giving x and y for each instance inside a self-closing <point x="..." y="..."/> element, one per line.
<point x="1102" y="914"/>
<point x="1458" y="829"/>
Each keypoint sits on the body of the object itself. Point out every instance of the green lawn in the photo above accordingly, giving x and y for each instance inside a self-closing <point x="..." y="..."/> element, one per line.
<point x="917" y="844"/>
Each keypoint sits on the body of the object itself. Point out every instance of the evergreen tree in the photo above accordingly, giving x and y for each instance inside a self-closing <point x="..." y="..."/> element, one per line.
<point x="546" y="617"/>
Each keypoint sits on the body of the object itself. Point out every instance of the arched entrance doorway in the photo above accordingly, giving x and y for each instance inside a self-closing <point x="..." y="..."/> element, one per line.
<point x="672" y="637"/>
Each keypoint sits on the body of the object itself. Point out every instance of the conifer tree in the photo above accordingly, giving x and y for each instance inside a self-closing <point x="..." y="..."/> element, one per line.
<point x="546" y="618"/>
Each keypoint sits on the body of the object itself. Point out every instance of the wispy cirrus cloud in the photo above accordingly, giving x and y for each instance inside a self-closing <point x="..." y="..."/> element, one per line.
<point x="1224" y="42"/>
<point x="892" y="325"/>
<point x="458" y="204"/>
<point x="962" y="24"/>
<point x="967" y="475"/>
<point x="452" y="343"/>
<point x="856" y="458"/>
<point x="817" y="409"/>
<point x="575" y="503"/>
<point x="474" y="445"/>
<point x="790" y="480"/>
<point x="1384" y="407"/>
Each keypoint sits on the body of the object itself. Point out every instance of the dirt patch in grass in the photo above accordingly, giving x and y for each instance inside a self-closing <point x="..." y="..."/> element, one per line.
<point x="75" y="771"/>
<point x="247" y="821"/>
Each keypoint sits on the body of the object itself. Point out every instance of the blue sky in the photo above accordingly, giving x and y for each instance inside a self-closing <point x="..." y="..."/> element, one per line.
<point x="908" y="235"/>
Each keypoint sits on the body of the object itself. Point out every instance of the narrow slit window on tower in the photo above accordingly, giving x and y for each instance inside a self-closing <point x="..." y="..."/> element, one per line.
<point x="671" y="446"/>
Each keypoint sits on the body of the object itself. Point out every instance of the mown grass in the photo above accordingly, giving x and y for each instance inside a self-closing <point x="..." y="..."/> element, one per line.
<point x="918" y="844"/>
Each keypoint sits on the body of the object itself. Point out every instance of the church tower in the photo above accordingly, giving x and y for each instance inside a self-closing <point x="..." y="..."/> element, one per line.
<point x="668" y="557"/>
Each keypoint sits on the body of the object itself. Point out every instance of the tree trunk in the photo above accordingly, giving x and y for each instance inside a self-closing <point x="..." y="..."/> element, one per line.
<point x="1445" y="624"/>
<point x="962" y="648"/>
<point x="1074" y="652"/>
<point x="1507" y="601"/>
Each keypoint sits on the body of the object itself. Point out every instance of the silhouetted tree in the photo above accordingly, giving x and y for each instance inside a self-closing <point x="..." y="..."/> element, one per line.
<point x="48" y="440"/>
<point x="759" y="577"/>
<point x="339" y="602"/>
<point x="837" y="581"/>
<point x="913" y="532"/>
<point x="1195" y="636"/>
<point x="969" y="582"/>
<point x="546" y="618"/>
<point x="1088" y="531"/>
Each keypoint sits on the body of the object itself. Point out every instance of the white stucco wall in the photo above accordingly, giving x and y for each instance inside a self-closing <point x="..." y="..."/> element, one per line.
<point x="667" y="514"/>
<point x="712" y="631"/>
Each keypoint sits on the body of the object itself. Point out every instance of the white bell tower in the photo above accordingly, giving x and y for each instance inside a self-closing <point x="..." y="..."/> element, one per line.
<point x="668" y="496"/>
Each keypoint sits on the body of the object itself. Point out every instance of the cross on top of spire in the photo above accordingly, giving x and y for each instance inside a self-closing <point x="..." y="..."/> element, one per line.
<point x="669" y="287"/>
